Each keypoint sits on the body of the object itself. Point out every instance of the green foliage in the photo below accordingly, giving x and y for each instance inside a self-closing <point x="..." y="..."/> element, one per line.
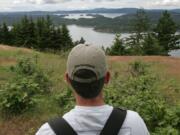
<point x="137" y="91"/>
<point x="82" y="41"/>
<point x="137" y="68"/>
<point x="151" y="46"/>
<point x="40" y="34"/>
<point x="143" y="42"/>
<point x="18" y="95"/>
<point x="166" y="131"/>
<point x="27" y="68"/>
<point x="166" y="29"/>
<point x="66" y="39"/>
<point x="65" y="99"/>
<point x="133" y="45"/>
<point x="140" y="26"/>
<point x="141" y="22"/>
<point x="117" y="48"/>
<point x="99" y="22"/>
<point x="5" y="35"/>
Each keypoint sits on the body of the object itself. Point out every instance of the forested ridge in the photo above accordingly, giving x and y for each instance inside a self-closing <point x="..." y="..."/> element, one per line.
<point x="146" y="38"/>
<point x="100" y="23"/>
<point x="39" y="34"/>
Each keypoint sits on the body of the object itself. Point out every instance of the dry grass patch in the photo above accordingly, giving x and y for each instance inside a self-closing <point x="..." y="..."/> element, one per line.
<point x="10" y="48"/>
<point x="171" y="64"/>
<point x="7" y="61"/>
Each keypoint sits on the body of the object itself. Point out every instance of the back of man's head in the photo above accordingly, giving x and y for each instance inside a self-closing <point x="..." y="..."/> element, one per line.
<point x="86" y="69"/>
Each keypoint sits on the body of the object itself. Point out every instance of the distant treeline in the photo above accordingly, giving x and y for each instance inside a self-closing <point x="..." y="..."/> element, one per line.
<point x="147" y="39"/>
<point x="40" y="34"/>
<point x="100" y="23"/>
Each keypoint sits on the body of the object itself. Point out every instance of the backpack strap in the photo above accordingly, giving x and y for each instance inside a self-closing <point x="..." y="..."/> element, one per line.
<point x="115" y="122"/>
<point x="61" y="127"/>
<point x="112" y="126"/>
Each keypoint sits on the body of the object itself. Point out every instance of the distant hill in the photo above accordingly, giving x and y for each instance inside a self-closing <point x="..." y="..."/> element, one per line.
<point x="100" y="23"/>
<point x="103" y="10"/>
<point x="97" y="10"/>
<point x="176" y="10"/>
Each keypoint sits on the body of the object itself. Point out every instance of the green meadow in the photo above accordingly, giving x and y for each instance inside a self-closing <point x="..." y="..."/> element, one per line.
<point x="149" y="85"/>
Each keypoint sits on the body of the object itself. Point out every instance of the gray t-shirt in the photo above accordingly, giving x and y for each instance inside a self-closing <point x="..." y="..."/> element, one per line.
<point x="91" y="120"/>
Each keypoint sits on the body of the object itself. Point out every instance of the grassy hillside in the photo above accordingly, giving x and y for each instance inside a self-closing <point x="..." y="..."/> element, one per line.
<point x="166" y="68"/>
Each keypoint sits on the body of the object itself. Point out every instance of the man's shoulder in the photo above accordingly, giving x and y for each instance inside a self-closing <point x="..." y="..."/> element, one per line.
<point x="135" y="123"/>
<point x="45" y="129"/>
<point x="133" y="114"/>
<point x="132" y="118"/>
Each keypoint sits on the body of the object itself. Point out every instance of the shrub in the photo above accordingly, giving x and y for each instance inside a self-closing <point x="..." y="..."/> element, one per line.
<point x="138" y="68"/>
<point x="24" y="66"/>
<point x="137" y="92"/>
<point x="28" y="68"/>
<point x="166" y="131"/>
<point x="65" y="99"/>
<point x="18" y="95"/>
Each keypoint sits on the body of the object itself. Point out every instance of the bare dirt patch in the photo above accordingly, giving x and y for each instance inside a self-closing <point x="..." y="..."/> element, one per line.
<point x="10" y="48"/>
<point x="7" y="61"/>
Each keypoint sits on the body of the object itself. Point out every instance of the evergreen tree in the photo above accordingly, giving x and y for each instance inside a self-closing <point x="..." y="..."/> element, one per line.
<point x="166" y="29"/>
<point x="140" y="24"/>
<point x="5" y="35"/>
<point x="16" y="32"/>
<point x="57" y="39"/>
<point x="41" y="34"/>
<point x="31" y="37"/>
<point x="151" y="46"/>
<point x="22" y="32"/>
<point x="141" y="21"/>
<point x="117" y="48"/>
<point x="45" y="32"/>
<point x="140" y="27"/>
<point x="48" y="32"/>
<point x="103" y="48"/>
<point x="66" y="39"/>
<point x="0" y="33"/>
<point x="82" y="41"/>
<point x="40" y="25"/>
<point x="133" y="46"/>
<point x="178" y="41"/>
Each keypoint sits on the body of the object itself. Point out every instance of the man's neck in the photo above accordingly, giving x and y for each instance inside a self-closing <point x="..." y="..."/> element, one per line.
<point x="98" y="101"/>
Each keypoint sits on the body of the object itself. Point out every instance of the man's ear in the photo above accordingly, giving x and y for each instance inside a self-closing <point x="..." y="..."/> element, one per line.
<point x="107" y="77"/>
<point x="67" y="78"/>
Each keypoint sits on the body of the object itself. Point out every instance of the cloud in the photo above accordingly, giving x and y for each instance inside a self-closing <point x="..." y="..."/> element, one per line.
<point x="51" y="5"/>
<point x="58" y="1"/>
<point x="44" y="1"/>
<point x="167" y="3"/>
<point x="128" y="3"/>
<point x="39" y="1"/>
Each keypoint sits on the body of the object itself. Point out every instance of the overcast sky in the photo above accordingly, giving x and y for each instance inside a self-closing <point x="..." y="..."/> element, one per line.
<point x="52" y="5"/>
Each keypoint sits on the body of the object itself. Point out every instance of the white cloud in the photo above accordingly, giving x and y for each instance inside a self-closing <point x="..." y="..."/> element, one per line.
<point x="168" y="3"/>
<point x="40" y="1"/>
<point x="26" y="5"/>
<point x="16" y="1"/>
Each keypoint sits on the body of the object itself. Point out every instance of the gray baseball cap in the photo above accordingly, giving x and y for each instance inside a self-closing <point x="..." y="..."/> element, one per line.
<point x="89" y="57"/>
